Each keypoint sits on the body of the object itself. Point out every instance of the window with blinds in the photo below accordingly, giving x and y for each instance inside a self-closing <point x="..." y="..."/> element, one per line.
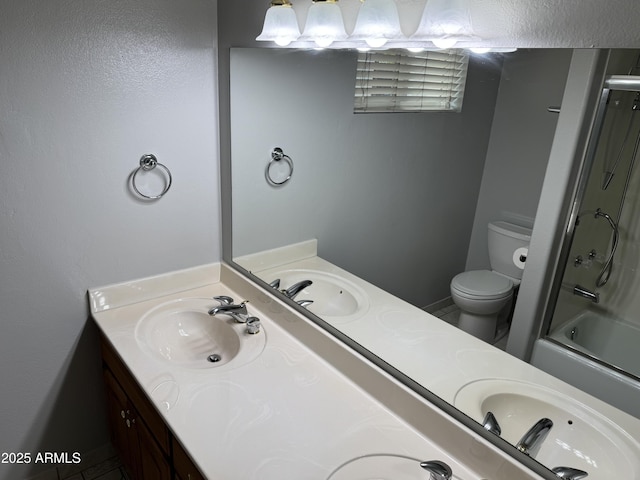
<point x="401" y="81"/>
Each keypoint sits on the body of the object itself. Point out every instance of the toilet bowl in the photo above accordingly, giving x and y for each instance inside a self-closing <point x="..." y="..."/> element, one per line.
<point x="481" y="296"/>
<point x="485" y="296"/>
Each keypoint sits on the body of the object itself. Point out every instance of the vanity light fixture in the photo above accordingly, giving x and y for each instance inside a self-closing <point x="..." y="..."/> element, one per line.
<point x="280" y="24"/>
<point x="325" y="24"/>
<point x="444" y="24"/>
<point x="377" y="22"/>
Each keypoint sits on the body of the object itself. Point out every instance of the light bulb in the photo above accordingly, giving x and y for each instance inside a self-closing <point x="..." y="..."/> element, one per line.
<point x="323" y="42"/>
<point x="444" y="42"/>
<point x="376" y="42"/>
<point x="282" y="41"/>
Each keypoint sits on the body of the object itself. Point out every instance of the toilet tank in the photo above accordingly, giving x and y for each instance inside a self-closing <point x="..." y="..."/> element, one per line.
<point x="504" y="240"/>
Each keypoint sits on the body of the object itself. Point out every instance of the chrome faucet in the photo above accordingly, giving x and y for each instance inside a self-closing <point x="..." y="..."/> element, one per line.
<point x="232" y="310"/>
<point x="531" y="441"/>
<point x="569" y="473"/>
<point x="439" y="470"/>
<point x="294" y="289"/>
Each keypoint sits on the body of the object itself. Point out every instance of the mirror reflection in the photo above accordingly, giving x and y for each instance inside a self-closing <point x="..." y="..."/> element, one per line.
<point x="392" y="216"/>
<point x="397" y="199"/>
<point x="594" y="306"/>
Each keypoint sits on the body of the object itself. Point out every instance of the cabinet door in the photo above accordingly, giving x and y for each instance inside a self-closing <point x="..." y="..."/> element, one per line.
<point x="135" y="395"/>
<point x="119" y="417"/>
<point x="153" y="463"/>
<point x="184" y="467"/>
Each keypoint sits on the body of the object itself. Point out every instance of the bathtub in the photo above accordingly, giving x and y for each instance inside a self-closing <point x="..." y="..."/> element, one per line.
<point x="613" y="341"/>
<point x="592" y="352"/>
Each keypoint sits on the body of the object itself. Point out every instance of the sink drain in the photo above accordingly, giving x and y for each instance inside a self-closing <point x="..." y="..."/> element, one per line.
<point x="214" y="358"/>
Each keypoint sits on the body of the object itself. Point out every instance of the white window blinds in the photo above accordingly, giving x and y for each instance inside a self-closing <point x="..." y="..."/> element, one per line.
<point x="399" y="81"/>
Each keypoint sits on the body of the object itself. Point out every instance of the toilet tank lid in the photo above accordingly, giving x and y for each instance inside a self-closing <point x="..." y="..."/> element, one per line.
<point x="511" y="230"/>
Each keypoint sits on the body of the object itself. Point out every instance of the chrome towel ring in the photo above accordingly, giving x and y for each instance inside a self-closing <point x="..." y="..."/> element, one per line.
<point x="147" y="163"/>
<point x="281" y="177"/>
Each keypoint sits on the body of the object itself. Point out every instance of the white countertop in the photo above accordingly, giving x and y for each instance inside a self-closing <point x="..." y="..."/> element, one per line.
<point x="289" y="414"/>
<point x="438" y="355"/>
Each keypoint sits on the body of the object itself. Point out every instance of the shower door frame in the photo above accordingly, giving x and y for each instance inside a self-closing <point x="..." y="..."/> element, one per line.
<point x="629" y="83"/>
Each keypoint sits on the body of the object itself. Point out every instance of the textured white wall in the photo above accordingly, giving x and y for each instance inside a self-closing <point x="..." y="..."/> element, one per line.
<point x="86" y="88"/>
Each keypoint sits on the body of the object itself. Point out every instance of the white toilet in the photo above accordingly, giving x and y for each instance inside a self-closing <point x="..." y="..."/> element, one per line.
<point x="483" y="296"/>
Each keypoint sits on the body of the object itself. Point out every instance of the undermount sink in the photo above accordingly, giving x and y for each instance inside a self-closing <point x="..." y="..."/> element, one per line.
<point x="580" y="437"/>
<point x="182" y="333"/>
<point x="332" y="296"/>
<point x="381" y="467"/>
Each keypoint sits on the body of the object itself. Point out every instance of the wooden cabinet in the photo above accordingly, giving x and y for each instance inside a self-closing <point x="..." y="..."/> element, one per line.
<point x="119" y="416"/>
<point x="144" y="443"/>
<point x="184" y="467"/>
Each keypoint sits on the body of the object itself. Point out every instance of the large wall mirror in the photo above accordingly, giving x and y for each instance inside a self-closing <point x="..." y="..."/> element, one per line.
<point x="399" y="200"/>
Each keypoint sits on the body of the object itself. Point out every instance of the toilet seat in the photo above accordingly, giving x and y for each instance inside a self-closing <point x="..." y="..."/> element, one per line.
<point x="482" y="284"/>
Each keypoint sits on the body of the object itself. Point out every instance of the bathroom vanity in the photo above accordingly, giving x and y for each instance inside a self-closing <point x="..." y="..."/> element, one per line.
<point x="469" y="374"/>
<point x="296" y="404"/>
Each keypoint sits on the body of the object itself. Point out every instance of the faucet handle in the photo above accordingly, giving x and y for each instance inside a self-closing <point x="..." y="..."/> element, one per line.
<point x="275" y="283"/>
<point x="224" y="299"/>
<point x="439" y="470"/>
<point x="490" y="423"/>
<point x="569" y="473"/>
<point x="253" y="325"/>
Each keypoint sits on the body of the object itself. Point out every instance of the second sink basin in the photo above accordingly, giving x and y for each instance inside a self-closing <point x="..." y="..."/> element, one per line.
<point x="580" y="437"/>
<point x="379" y="467"/>
<point x="332" y="296"/>
<point x="182" y="333"/>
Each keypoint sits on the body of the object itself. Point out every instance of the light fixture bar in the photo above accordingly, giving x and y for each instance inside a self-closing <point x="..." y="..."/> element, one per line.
<point x="444" y="24"/>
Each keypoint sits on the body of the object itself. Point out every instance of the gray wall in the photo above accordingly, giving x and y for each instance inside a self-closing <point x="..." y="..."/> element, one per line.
<point x="521" y="138"/>
<point x="86" y="88"/>
<point x="390" y="197"/>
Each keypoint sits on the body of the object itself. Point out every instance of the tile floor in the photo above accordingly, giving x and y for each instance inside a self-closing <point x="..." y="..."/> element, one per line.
<point x="446" y="310"/>
<point x="110" y="469"/>
<point x="100" y="464"/>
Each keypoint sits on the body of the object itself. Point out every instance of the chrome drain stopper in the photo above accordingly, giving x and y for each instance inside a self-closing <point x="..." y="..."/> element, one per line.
<point x="214" y="358"/>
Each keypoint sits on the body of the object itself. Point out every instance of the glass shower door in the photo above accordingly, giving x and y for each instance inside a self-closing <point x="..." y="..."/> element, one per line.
<point x="597" y="295"/>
